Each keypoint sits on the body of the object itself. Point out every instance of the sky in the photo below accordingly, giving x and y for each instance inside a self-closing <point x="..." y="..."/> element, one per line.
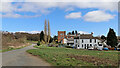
<point x="85" y="17"/>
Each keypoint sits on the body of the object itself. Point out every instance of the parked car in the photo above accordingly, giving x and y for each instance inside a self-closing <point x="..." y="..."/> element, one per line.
<point x="111" y="48"/>
<point x="100" y="47"/>
<point x="90" y="48"/>
<point x="118" y="49"/>
<point x="105" y="48"/>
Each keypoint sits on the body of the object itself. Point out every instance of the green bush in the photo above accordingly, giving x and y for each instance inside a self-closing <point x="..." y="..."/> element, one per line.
<point x="38" y="43"/>
<point x="68" y="46"/>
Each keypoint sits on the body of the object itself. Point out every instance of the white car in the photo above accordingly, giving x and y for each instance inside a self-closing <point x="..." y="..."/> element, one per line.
<point x="100" y="47"/>
<point x="90" y="48"/>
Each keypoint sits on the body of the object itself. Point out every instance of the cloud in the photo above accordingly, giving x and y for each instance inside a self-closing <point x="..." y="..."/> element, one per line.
<point x="12" y="15"/>
<point x="69" y="9"/>
<point x="47" y="7"/>
<point x="31" y="32"/>
<point x="60" y="0"/>
<point x="73" y="15"/>
<point x="98" y="16"/>
<point x="83" y="32"/>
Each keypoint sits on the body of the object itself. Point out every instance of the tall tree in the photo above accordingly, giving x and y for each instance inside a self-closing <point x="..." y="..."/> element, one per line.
<point x="48" y="31"/>
<point x="69" y="33"/>
<point x="45" y="32"/>
<point x="55" y="38"/>
<point x="76" y="32"/>
<point x="51" y="39"/>
<point x="73" y="32"/>
<point x="111" y="38"/>
<point x="42" y="36"/>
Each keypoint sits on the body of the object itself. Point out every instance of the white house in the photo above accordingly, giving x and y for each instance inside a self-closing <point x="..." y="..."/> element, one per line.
<point x="84" y="41"/>
<point x="65" y="41"/>
<point x="70" y="41"/>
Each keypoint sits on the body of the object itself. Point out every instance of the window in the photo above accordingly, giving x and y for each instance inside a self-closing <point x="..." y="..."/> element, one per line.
<point x="82" y="41"/>
<point x="82" y="45"/>
<point x="61" y="37"/>
<point x="100" y="44"/>
<point x="90" y="44"/>
<point x="95" y="40"/>
<point x="61" y="34"/>
<point x="78" y="45"/>
<point x="90" y="40"/>
<point x="85" y="46"/>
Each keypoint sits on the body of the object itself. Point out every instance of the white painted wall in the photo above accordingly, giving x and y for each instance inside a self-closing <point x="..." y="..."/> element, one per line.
<point x="86" y="42"/>
<point x="65" y="41"/>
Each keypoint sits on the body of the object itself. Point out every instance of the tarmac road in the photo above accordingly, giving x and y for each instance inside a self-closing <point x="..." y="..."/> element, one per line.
<point x="20" y="57"/>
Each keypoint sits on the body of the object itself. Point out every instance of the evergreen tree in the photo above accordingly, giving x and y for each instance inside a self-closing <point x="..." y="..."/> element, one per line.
<point x="73" y="32"/>
<point x="76" y="32"/>
<point x="48" y="31"/>
<point x="103" y="37"/>
<point x="69" y="33"/>
<point x="111" y="38"/>
<point x="51" y="39"/>
<point x="55" y="37"/>
<point x="42" y="36"/>
<point x="45" y="32"/>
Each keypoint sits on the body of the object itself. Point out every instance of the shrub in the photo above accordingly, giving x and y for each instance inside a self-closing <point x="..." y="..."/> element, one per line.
<point x="68" y="46"/>
<point x="38" y="43"/>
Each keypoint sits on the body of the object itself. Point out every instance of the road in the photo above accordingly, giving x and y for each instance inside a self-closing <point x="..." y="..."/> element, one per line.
<point x="20" y="57"/>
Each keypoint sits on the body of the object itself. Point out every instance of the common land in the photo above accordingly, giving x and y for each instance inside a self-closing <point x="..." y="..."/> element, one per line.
<point x="57" y="56"/>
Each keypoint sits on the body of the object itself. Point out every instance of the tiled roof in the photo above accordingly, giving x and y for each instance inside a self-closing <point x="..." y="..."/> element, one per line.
<point x="70" y="39"/>
<point x="86" y="36"/>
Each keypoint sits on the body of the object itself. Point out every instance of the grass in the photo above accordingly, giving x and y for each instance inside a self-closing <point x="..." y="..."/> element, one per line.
<point x="9" y="49"/>
<point x="75" y="57"/>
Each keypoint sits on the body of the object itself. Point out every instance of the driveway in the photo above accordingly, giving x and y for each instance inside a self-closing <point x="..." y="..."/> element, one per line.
<point x="20" y="57"/>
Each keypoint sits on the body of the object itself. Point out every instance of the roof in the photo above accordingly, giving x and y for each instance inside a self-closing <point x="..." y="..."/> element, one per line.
<point x="70" y="39"/>
<point x="87" y="36"/>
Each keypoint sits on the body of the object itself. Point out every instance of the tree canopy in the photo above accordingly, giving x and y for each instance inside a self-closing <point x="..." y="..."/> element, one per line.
<point x="111" y="38"/>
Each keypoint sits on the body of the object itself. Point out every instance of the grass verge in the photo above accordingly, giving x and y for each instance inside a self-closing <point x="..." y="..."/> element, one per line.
<point x="75" y="57"/>
<point x="9" y="49"/>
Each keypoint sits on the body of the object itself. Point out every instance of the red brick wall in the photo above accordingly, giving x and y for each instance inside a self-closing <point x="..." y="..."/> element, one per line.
<point x="61" y="35"/>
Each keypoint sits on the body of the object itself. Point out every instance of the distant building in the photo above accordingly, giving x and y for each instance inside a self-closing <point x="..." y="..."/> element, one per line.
<point x="85" y="41"/>
<point x="78" y="41"/>
<point x="61" y="36"/>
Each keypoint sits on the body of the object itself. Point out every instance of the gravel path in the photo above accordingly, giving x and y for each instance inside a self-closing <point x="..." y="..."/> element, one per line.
<point x="20" y="57"/>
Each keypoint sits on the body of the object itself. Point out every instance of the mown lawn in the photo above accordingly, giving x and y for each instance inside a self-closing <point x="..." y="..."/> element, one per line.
<point x="76" y="57"/>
